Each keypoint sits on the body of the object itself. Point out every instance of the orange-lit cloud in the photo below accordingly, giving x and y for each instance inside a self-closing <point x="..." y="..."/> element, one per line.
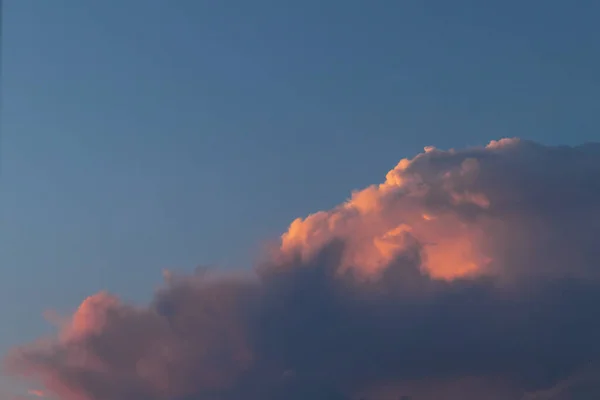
<point x="466" y="274"/>
<point x="422" y="205"/>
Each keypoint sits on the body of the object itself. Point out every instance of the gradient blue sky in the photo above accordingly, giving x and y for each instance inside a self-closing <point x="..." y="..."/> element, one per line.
<point x="139" y="135"/>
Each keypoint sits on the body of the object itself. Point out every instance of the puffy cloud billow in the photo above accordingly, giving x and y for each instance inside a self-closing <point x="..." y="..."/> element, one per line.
<point x="469" y="274"/>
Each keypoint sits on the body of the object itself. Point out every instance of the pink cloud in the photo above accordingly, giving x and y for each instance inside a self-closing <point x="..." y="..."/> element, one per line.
<point x="465" y="273"/>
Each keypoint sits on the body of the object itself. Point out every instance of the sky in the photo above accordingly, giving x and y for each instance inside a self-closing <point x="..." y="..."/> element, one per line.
<point x="144" y="135"/>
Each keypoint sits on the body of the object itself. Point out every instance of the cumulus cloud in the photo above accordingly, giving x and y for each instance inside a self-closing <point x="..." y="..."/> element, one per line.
<point x="466" y="274"/>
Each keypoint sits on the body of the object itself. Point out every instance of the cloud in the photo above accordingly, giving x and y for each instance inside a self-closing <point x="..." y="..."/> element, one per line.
<point x="584" y="385"/>
<point x="465" y="275"/>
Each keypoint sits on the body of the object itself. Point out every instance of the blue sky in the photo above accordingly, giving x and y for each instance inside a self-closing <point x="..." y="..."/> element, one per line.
<point x="142" y="135"/>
